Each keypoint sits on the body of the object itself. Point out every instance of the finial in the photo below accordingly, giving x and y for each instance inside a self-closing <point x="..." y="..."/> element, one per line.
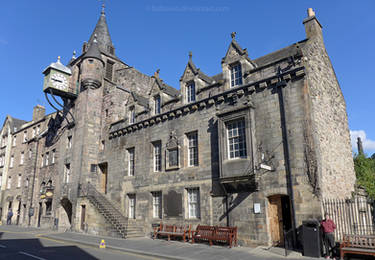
<point x="103" y="9"/>
<point x="310" y="12"/>
<point x="233" y="35"/>
<point x="58" y="59"/>
<point x="190" y="55"/>
<point x="156" y="74"/>
<point x="95" y="38"/>
<point x="74" y="54"/>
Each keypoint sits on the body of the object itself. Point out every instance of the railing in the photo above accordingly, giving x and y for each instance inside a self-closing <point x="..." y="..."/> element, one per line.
<point x="351" y="216"/>
<point x="109" y="210"/>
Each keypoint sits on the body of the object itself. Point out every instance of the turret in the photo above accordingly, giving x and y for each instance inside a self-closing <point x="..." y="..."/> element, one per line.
<point x="92" y="67"/>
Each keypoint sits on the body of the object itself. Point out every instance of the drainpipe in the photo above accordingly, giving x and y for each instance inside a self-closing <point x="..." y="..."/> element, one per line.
<point x="37" y="138"/>
<point x="280" y="85"/>
<point x="34" y="174"/>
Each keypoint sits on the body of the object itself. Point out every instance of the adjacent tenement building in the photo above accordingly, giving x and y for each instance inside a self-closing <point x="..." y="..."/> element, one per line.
<point x="257" y="146"/>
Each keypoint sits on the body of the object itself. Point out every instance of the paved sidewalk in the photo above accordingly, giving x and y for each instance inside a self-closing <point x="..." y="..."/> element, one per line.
<point x="172" y="249"/>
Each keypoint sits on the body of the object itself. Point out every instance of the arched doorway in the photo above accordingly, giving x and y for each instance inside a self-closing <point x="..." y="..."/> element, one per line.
<point x="67" y="205"/>
<point x="279" y="218"/>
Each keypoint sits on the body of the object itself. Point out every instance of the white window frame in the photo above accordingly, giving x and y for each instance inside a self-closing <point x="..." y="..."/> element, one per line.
<point x="236" y="75"/>
<point x="193" y="202"/>
<point x="9" y="184"/>
<point x="24" y="136"/>
<point x="38" y="129"/>
<point x="193" y="155"/>
<point x="132" y="206"/>
<point x="19" y="181"/>
<point x="157" y="204"/>
<point x="22" y="158"/>
<point x="69" y="142"/>
<point x="131" y="161"/>
<point x="53" y="156"/>
<point x="34" y="132"/>
<point x="14" y="141"/>
<point x="42" y="162"/>
<point x="11" y="161"/>
<point x="47" y="158"/>
<point x="157" y="156"/>
<point x="67" y="173"/>
<point x="190" y="92"/>
<point x="236" y="139"/>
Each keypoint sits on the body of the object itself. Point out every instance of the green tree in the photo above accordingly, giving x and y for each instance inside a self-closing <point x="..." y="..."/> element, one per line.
<point x="365" y="171"/>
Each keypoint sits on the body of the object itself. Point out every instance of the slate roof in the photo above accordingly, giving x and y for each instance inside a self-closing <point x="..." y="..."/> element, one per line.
<point x="196" y="71"/>
<point x="93" y="51"/>
<point x="290" y="50"/>
<point x="166" y="88"/>
<point x="15" y="123"/>
<point x="140" y="99"/>
<point x="102" y="33"/>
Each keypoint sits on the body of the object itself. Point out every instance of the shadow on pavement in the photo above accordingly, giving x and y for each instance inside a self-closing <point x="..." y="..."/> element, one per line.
<point x="14" y="247"/>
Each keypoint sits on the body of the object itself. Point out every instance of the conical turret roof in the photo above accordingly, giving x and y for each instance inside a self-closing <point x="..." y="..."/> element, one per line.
<point x="93" y="51"/>
<point x="102" y="34"/>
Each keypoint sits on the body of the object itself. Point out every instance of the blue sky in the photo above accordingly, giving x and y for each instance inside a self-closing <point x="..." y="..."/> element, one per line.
<point x="159" y="34"/>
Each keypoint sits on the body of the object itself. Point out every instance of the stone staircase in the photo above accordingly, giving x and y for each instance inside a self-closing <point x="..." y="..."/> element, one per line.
<point x="113" y="215"/>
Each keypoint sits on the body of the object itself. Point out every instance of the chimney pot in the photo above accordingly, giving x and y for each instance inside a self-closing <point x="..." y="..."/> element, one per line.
<point x="310" y="12"/>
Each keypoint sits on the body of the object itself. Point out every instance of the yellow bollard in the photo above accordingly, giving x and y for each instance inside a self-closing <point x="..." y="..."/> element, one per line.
<point x="102" y="244"/>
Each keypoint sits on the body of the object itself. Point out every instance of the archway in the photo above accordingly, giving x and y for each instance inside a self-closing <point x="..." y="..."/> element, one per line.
<point x="67" y="205"/>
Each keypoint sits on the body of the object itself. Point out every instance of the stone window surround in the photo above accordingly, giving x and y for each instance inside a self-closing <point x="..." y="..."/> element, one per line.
<point x="247" y="88"/>
<point x="233" y="74"/>
<point x="131" y="161"/>
<point x="188" y="195"/>
<point x="191" y="162"/>
<point x="237" y="113"/>
<point x="132" y="205"/>
<point x="157" y="204"/>
<point x="157" y="156"/>
<point x="190" y="92"/>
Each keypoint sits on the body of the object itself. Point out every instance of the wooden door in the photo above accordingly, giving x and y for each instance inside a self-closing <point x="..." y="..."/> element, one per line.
<point x="104" y="178"/>
<point x="275" y="220"/>
<point x="83" y="216"/>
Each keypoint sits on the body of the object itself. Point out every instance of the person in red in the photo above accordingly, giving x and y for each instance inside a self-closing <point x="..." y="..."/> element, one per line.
<point x="328" y="227"/>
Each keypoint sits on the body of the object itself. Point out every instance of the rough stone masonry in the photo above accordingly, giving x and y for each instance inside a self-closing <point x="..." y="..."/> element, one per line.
<point x="257" y="146"/>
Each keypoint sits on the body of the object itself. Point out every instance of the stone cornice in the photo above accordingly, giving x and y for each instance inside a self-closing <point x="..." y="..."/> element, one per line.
<point x="207" y="102"/>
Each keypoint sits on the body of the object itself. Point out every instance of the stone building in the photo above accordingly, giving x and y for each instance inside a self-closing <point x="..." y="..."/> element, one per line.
<point x="257" y="146"/>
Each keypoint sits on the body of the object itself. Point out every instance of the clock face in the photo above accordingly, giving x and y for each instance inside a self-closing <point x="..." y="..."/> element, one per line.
<point x="59" y="81"/>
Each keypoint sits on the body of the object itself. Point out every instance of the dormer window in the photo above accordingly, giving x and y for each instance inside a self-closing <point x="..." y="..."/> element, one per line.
<point x="132" y="115"/>
<point x="235" y="75"/>
<point x="157" y="103"/>
<point x="190" y="92"/>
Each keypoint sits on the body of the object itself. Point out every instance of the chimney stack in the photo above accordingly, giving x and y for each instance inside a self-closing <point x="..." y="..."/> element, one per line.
<point x="312" y="26"/>
<point x="38" y="112"/>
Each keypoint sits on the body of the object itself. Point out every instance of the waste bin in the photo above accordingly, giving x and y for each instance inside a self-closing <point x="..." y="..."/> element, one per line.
<point x="311" y="238"/>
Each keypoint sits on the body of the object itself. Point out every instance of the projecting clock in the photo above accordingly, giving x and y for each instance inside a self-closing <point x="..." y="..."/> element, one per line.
<point x="56" y="80"/>
<point x="59" y="82"/>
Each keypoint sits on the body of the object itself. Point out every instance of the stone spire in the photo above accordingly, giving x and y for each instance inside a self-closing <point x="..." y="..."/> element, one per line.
<point x="360" y="146"/>
<point x="102" y="33"/>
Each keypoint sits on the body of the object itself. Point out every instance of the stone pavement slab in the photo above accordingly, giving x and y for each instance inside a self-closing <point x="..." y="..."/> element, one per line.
<point x="173" y="249"/>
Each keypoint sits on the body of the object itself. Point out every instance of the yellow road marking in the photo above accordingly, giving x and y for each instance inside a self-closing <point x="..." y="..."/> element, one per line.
<point x="41" y="236"/>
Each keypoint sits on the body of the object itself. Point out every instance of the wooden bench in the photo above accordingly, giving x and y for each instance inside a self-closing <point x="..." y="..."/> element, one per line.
<point x="226" y="235"/>
<point x="357" y="244"/>
<point x="215" y="234"/>
<point x="172" y="231"/>
<point x="205" y="233"/>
